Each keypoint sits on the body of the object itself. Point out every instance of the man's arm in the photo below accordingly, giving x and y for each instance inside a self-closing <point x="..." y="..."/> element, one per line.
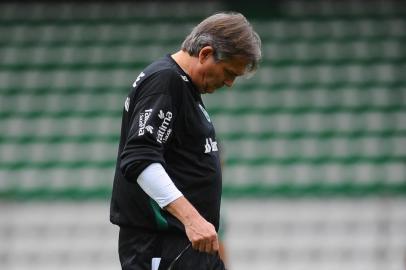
<point x="157" y="184"/>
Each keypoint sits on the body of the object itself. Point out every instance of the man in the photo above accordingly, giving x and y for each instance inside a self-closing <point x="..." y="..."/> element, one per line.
<point x="167" y="186"/>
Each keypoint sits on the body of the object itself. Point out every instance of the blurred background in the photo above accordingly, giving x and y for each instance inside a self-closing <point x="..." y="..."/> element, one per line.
<point x="314" y="144"/>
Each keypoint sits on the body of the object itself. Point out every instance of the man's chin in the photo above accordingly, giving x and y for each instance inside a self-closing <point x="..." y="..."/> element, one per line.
<point x="210" y="90"/>
<point x="206" y="91"/>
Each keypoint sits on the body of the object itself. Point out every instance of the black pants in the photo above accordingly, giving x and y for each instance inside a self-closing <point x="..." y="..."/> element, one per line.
<point x="137" y="248"/>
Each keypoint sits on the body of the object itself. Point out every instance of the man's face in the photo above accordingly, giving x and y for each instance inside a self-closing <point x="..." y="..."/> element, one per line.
<point x="213" y="75"/>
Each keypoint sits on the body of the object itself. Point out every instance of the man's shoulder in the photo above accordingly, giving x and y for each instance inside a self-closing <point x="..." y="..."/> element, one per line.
<point x="162" y="71"/>
<point x="163" y="65"/>
<point x="160" y="77"/>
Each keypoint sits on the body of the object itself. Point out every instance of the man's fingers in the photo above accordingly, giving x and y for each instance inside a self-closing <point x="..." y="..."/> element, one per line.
<point x="206" y="245"/>
<point x="198" y="244"/>
<point x="216" y="246"/>
<point x="209" y="245"/>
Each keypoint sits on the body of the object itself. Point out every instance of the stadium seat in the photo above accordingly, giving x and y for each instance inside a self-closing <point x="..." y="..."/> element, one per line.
<point x="324" y="116"/>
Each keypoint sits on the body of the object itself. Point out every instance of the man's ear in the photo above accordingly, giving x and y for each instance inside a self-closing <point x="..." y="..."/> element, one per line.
<point x="205" y="53"/>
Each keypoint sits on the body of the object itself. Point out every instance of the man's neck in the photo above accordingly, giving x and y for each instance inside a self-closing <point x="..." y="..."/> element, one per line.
<point x="184" y="60"/>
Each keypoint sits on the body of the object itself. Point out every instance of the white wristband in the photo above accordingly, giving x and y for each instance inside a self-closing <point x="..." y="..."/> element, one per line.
<point x="158" y="185"/>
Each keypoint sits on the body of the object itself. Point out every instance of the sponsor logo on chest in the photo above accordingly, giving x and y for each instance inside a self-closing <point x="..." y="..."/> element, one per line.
<point x="163" y="131"/>
<point x="144" y="116"/>
<point x="210" y="146"/>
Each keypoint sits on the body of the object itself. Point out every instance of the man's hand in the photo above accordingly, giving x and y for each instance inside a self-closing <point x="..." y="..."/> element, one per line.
<point x="201" y="233"/>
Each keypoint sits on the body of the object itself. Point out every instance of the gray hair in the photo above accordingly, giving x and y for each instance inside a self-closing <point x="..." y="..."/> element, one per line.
<point x="230" y="34"/>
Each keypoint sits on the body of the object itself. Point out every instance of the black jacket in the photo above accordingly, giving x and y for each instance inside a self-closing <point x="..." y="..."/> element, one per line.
<point x="164" y="120"/>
